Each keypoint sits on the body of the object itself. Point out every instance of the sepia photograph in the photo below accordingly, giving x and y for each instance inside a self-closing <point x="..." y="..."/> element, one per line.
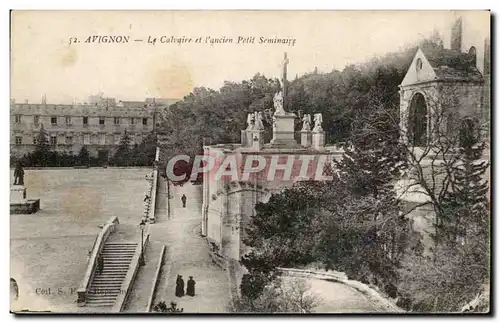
<point x="250" y="162"/>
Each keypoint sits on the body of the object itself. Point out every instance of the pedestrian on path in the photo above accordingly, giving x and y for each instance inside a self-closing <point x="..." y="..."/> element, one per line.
<point x="190" y="286"/>
<point x="179" y="286"/>
<point x="183" y="199"/>
<point x="100" y="264"/>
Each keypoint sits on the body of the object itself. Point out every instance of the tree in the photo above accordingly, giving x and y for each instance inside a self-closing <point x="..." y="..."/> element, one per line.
<point x="83" y="156"/>
<point x="122" y="156"/>
<point x="42" y="154"/>
<point x="143" y="154"/>
<point x="373" y="160"/>
<point x="280" y="234"/>
<point x="284" y="295"/>
<point x="466" y="203"/>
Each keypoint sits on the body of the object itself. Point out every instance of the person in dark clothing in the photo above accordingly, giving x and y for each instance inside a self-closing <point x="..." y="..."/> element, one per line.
<point x="179" y="288"/>
<point x="190" y="286"/>
<point x="100" y="264"/>
<point x="183" y="199"/>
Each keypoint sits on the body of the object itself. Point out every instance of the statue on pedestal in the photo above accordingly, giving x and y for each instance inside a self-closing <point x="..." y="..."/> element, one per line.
<point x="306" y="119"/>
<point x="250" y="121"/>
<point x="318" y="119"/>
<point x="19" y="174"/>
<point x="278" y="104"/>
<point x="258" y="121"/>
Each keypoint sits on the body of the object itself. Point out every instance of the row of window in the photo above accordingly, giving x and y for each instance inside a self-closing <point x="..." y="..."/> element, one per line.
<point x="102" y="120"/>
<point x="69" y="140"/>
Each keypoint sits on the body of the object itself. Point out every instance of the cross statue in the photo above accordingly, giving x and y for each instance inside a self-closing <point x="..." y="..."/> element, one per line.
<point x="285" y="92"/>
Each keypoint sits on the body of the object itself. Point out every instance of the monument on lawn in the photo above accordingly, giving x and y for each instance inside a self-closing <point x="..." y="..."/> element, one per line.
<point x="18" y="202"/>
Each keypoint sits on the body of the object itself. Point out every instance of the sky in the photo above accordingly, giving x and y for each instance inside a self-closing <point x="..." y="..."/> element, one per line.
<point x="44" y="63"/>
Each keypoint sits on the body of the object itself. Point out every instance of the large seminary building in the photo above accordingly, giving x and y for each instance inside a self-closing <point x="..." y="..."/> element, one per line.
<point x="97" y="124"/>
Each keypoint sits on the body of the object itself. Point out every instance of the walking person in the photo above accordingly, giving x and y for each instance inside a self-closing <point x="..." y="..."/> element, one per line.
<point x="190" y="286"/>
<point x="179" y="286"/>
<point x="183" y="199"/>
<point x="100" y="264"/>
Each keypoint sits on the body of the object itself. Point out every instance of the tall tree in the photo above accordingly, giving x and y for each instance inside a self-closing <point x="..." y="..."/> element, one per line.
<point x="373" y="161"/>
<point x="466" y="204"/>
<point x="84" y="156"/>
<point x="42" y="154"/>
<point x="122" y="156"/>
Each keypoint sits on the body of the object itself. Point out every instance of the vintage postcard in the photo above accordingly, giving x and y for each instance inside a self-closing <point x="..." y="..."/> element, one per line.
<point x="250" y="162"/>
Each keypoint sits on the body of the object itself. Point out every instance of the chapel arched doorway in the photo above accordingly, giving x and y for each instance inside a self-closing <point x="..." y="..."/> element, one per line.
<point x="417" y="123"/>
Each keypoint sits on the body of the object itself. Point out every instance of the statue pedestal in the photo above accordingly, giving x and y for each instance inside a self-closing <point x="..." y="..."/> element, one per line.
<point x="305" y="138"/>
<point x="283" y="131"/>
<point x="18" y="202"/>
<point x="18" y="194"/>
<point x="257" y="139"/>
<point x="318" y="139"/>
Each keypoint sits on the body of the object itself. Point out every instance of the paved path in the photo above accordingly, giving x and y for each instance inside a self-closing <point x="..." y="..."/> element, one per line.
<point x="339" y="298"/>
<point x="138" y="300"/>
<point x="187" y="255"/>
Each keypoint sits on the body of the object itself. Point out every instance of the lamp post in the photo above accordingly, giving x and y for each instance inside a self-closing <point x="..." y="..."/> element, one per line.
<point x="142" y="225"/>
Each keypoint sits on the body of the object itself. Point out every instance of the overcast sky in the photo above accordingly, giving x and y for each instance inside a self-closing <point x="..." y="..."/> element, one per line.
<point x="42" y="62"/>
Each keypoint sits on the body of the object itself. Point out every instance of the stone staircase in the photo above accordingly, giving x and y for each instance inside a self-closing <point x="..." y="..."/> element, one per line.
<point x="106" y="286"/>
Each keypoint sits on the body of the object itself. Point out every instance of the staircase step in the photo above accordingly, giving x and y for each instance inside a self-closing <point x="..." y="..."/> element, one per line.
<point x="120" y="254"/>
<point x="95" y="303"/>
<point x="109" y="280"/>
<point x="108" y="300"/>
<point x="120" y="243"/>
<point x="103" y="294"/>
<point x="103" y="305"/>
<point x="119" y="249"/>
<point x="110" y="284"/>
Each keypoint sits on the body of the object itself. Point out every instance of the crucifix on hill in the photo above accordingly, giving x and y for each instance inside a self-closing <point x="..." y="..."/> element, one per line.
<point x="283" y="81"/>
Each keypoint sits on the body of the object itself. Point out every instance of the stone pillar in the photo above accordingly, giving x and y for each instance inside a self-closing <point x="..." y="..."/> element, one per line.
<point x="244" y="140"/>
<point x="284" y="129"/>
<point x="318" y="139"/>
<point x="257" y="139"/>
<point x="305" y="138"/>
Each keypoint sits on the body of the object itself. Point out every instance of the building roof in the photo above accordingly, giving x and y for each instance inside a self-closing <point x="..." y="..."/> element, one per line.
<point x="451" y="65"/>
